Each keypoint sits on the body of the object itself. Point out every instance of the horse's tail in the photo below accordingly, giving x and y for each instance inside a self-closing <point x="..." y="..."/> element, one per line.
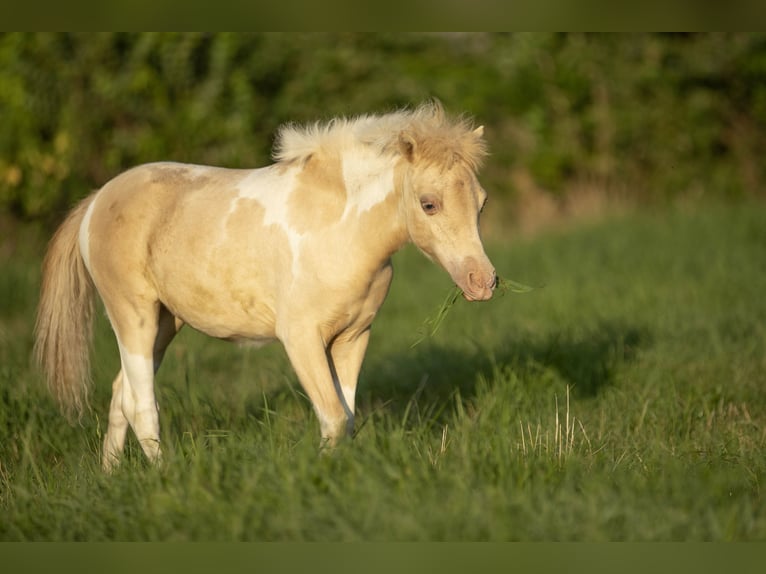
<point x="63" y="330"/>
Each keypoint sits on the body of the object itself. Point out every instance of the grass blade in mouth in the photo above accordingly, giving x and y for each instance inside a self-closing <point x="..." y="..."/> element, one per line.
<point x="504" y="285"/>
<point x="432" y="324"/>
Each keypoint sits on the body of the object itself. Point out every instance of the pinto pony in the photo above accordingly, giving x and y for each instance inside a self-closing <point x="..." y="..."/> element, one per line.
<point x="298" y="251"/>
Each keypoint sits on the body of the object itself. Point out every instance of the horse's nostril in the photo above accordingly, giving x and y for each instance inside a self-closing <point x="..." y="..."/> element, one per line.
<point x="495" y="282"/>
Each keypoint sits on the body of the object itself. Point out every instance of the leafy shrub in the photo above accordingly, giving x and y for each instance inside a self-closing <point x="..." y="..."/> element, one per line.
<point x="656" y="115"/>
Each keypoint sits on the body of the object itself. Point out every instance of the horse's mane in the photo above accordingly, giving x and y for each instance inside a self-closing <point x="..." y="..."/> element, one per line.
<point x="437" y="138"/>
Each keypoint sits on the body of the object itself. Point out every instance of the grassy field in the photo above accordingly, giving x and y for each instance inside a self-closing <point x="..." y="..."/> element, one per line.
<point x="624" y="400"/>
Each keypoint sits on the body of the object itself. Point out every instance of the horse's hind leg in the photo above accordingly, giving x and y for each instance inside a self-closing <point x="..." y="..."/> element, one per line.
<point x="167" y="327"/>
<point x="114" y="441"/>
<point x="133" y="396"/>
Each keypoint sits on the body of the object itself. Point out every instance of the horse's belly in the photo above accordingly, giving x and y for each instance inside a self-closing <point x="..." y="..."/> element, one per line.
<point x="219" y="275"/>
<point x="219" y="307"/>
<point x="224" y="319"/>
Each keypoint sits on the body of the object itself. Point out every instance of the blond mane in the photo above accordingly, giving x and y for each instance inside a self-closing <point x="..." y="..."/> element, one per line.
<point x="437" y="139"/>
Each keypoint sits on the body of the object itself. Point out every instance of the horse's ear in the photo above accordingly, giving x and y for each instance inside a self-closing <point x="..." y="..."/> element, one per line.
<point x="407" y="146"/>
<point x="478" y="132"/>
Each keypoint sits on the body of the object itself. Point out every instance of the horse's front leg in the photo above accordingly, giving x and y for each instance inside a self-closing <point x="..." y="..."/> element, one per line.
<point x="345" y="356"/>
<point x="309" y="357"/>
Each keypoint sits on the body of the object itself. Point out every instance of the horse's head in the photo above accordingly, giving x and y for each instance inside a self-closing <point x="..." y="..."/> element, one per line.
<point x="442" y="203"/>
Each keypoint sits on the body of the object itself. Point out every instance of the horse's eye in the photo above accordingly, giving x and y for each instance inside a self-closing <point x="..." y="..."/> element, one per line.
<point x="430" y="206"/>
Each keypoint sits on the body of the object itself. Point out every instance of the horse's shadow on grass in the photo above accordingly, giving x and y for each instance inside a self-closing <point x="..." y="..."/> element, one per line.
<point x="423" y="384"/>
<point x="432" y="376"/>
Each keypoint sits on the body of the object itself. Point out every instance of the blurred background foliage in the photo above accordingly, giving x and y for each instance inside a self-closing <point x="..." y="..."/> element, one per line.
<point x="652" y="117"/>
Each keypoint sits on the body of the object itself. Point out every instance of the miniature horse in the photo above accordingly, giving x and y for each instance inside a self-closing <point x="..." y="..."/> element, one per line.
<point x="298" y="251"/>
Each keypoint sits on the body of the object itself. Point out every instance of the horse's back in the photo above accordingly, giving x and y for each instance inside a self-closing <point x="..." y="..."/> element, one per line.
<point x="133" y="210"/>
<point x="184" y="235"/>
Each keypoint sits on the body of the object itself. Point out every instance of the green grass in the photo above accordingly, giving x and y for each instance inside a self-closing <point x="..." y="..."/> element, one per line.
<point x="624" y="400"/>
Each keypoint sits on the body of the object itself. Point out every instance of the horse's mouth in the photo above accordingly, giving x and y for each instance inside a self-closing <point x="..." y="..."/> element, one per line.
<point x="484" y="296"/>
<point x="476" y="279"/>
<point x="477" y="291"/>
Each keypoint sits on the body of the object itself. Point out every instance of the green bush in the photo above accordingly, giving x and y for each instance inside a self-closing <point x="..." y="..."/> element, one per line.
<point x="656" y="115"/>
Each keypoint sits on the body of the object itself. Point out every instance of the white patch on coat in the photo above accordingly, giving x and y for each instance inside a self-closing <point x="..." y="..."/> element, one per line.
<point x="84" y="235"/>
<point x="271" y="187"/>
<point x="366" y="186"/>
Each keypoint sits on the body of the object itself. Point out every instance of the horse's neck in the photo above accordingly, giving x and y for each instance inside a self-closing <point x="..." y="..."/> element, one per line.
<point x="374" y="203"/>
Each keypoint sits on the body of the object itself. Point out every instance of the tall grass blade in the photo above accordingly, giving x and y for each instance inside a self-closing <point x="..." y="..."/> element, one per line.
<point x="431" y="324"/>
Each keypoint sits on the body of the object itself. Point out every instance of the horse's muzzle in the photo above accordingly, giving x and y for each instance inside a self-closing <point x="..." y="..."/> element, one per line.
<point x="480" y="286"/>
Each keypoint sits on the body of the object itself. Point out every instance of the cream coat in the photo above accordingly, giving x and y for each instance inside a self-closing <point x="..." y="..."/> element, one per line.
<point x="298" y="251"/>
